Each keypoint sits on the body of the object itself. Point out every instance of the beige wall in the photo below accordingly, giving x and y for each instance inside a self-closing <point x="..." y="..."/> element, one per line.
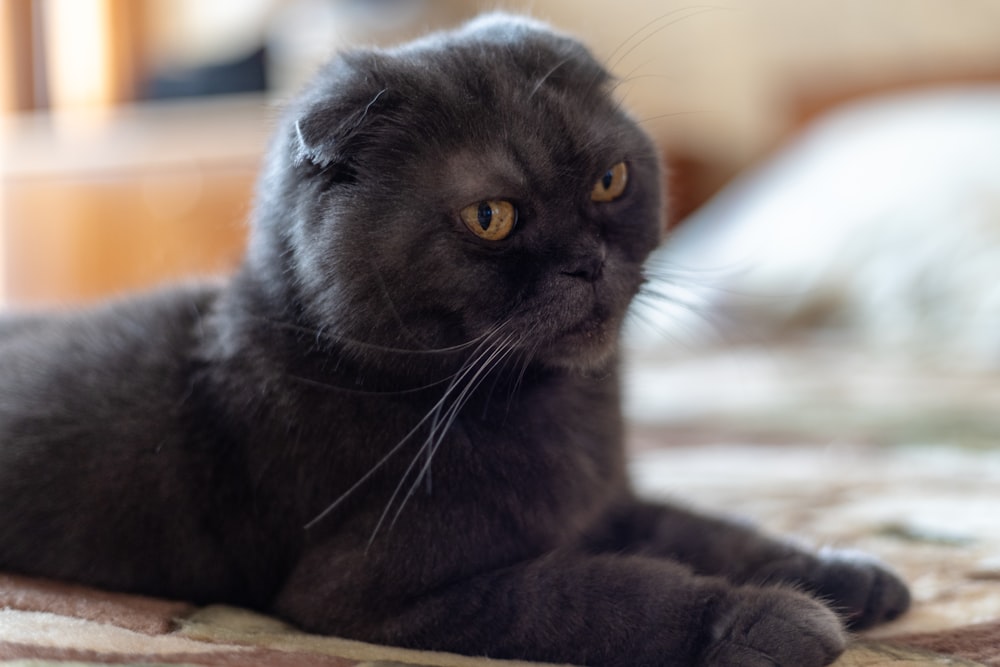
<point x="722" y="80"/>
<point x="138" y="197"/>
<point x="742" y="72"/>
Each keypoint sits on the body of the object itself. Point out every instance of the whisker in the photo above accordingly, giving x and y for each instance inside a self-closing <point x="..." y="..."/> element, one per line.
<point x="667" y="296"/>
<point x="439" y="429"/>
<point x="672" y="114"/>
<point x="323" y="333"/>
<point x="384" y="289"/>
<point x="502" y="373"/>
<point x="632" y="77"/>
<point x="722" y="281"/>
<point x="435" y="430"/>
<point x="527" y="356"/>
<point x="369" y="392"/>
<point x="385" y="459"/>
<point x="436" y="439"/>
<point x="679" y="296"/>
<point x="647" y="26"/>
<point x="467" y="367"/>
<point x="676" y="331"/>
<point x="541" y="81"/>
<point x="693" y="11"/>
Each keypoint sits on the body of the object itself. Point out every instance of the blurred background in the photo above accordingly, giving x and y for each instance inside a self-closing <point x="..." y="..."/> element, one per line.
<point x="834" y="171"/>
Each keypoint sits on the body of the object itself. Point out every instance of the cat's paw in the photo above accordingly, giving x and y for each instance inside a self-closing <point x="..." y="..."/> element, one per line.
<point x="855" y="585"/>
<point x="773" y="627"/>
<point x="862" y="590"/>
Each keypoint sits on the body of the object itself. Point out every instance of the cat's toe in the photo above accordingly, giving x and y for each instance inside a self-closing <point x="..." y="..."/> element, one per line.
<point x="855" y="585"/>
<point x="773" y="627"/>
<point x="862" y="590"/>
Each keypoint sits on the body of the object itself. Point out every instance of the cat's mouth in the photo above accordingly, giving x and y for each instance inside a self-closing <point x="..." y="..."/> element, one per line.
<point x="584" y="344"/>
<point x="595" y="324"/>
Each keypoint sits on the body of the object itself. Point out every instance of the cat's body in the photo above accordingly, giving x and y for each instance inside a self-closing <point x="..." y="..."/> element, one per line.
<point x="399" y="421"/>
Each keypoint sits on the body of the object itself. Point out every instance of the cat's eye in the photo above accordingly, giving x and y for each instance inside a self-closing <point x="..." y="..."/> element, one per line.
<point x="611" y="185"/>
<point x="492" y="220"/>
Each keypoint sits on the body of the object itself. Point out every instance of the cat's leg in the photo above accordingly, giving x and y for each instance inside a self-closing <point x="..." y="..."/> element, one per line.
<point x="858" y="587"/>
<point x="602" y="611"/>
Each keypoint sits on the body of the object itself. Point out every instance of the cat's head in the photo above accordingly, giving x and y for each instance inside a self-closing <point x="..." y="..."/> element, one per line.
<point x="476" y="183"/>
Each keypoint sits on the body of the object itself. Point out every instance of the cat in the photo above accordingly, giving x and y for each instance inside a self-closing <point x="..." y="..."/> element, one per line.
<point x="398" y="420"/>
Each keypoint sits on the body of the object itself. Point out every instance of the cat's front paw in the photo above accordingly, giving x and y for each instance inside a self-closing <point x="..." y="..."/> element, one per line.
<point x="855" y="585"/>
<point x="860" y="588"/>
<point x="773" y="627"/>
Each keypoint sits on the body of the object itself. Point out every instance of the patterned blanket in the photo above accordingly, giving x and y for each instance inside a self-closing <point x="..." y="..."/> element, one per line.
<point x="929" y="511"/>
<point x="45" y="624"/>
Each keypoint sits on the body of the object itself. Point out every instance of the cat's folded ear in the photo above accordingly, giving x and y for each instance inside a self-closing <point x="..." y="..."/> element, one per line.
<point x="330" y="127"/>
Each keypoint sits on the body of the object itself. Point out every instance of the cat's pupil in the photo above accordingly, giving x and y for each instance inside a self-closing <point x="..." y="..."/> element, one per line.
<point x="607" y="178"/>
<point x="485" y="215"/>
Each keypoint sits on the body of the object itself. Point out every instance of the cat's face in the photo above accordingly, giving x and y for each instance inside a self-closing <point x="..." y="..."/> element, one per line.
<point x="476" y="183"/>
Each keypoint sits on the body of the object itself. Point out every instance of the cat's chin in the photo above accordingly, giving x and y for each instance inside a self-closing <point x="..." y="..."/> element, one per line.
<point x="585" y="350"/>
<point x="583" y="335"/>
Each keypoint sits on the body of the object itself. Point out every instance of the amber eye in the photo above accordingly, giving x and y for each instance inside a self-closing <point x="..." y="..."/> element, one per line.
<point x="611" y="185"/>
<point x="492" y="219"/>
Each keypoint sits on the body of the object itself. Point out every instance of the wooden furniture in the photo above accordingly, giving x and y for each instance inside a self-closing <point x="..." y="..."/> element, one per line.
<point x="124" y="199"/>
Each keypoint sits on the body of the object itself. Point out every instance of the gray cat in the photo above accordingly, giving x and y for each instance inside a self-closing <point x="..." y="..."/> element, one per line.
<point x="399" y="420"/>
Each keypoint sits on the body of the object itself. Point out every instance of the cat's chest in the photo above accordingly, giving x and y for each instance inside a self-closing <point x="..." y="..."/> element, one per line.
<point x="544" y="429"/>
<point x="545" y="460"/>
<point x="551" y="451"/>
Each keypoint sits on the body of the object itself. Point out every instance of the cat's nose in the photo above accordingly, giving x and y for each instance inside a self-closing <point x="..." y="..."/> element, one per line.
<point x="590" y="267"/>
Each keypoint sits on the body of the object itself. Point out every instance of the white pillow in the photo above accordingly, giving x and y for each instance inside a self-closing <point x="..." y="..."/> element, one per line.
<point x="880" y="224"/>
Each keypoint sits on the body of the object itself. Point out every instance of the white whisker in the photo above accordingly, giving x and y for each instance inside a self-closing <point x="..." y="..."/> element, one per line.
<point x="392" y="452"/>
<point x="479" y="366"/>
<point x="691" y="12"/>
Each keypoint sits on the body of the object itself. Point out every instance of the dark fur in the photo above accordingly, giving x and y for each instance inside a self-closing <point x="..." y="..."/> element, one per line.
<point x="386" y="428"/>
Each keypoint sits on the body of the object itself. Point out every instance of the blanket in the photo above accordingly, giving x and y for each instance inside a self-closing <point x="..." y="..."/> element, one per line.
<point x="46" y="624"/>
<point x="929" y="511"/>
